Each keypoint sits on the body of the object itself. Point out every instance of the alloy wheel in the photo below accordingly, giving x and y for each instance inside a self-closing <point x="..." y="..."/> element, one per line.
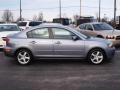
<point x="96" y="57"/>
<point x="23" y="57"/>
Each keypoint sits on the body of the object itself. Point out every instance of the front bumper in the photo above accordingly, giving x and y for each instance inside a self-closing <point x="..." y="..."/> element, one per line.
<point x="110" y="52"/>
<point x="115" y="42"/>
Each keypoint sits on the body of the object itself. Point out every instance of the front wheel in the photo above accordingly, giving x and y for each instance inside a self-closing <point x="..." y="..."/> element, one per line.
<point x="23" y="57"/>
<point x="96" y="56"/>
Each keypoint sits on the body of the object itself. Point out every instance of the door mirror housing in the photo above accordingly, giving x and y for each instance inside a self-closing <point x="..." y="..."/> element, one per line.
<point x="75" y="38"/>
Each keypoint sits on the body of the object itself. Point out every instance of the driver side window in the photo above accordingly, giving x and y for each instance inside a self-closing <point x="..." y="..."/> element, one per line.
<point x="60" y="33"/>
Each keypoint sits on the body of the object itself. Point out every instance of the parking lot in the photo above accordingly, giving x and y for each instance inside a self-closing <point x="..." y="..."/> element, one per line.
<point x="59" y="75"/>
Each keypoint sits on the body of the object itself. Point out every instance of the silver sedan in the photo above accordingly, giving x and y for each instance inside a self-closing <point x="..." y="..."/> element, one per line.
<point x="57" y="41"/>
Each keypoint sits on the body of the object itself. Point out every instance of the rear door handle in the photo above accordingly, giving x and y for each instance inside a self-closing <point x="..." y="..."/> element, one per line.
<point x="33" y="42"/>
<point x="58" y="42"/>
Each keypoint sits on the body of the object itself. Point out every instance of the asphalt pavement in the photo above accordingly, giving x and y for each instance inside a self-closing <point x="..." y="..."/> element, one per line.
<point x="59" y="75"/>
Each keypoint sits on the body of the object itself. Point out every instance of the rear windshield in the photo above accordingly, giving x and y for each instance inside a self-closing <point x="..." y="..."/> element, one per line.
<point x="22" y="23"/>
<point x="34" y="23"/>
<point x="9" y="28"/>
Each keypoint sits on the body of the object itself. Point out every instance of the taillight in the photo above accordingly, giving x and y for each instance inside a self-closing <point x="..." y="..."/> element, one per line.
<point x="6" y="40"/>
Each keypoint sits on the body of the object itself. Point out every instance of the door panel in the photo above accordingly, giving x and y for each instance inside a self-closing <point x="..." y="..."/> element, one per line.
<point x="43" y="47"/>
<point x="40" y="42"/>
<point x="69" y="48"/>
<point x="88" y="30"/>
<point x="65" y="46"/>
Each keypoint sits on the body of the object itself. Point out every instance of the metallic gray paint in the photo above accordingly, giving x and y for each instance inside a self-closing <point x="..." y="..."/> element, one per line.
<point x="51" y="47"/>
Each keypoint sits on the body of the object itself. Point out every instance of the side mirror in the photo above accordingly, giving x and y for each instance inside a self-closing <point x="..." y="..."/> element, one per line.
<point x="75" y="38"/>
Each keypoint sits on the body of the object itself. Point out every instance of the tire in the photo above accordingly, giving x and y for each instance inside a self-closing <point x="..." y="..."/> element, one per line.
<point x="96" y="56"/>
<point x="23" y="57"/>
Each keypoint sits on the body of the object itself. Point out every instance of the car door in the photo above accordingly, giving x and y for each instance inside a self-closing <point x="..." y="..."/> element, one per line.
<point x="83" y="30"/>
<point x="87" y="29"/>
<point x="40" y="41"/>
<point x="64" y="45"/>
<point x="90" y="30"/>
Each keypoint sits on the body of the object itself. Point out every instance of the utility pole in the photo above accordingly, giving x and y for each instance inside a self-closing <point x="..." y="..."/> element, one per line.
<point x="99" y="10"/>
<point x="20" y="11"/>
<point x="115" y="9"/>
<point x="80" y="7"/>
<point x="60" y="11"/>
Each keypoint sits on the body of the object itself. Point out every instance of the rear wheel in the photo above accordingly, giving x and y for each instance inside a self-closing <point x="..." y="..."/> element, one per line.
<point x="23" y="57"/>
<point x="96" y="56"/>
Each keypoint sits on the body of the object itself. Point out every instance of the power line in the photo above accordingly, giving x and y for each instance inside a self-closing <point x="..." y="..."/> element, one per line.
<point x="61" y="7"/>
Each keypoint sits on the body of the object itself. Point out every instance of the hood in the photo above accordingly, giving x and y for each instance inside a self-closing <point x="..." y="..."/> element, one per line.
<point x="6" y="33"/>
<point x="99" y="40"/>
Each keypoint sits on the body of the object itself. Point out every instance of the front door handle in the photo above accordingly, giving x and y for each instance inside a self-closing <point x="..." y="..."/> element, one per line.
<point x="58" y="42"/>
<point x="33" y="42"/>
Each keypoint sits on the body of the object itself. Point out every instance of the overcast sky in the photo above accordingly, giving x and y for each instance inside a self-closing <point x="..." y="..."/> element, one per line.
<point x="50" y="8"/>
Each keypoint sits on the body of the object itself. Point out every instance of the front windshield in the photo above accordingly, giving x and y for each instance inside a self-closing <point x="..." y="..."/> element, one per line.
<point x="8" y="28"/>
<point x="102" y="26"/>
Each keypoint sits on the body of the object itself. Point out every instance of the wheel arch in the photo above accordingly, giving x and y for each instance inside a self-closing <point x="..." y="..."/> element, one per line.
<point x="24" y="49"/>
<point x="100" y="36"/>
<point x="96" y="48"/>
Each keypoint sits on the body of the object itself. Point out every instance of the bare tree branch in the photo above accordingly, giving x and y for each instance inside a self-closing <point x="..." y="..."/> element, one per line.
<point x="7" y="16"/>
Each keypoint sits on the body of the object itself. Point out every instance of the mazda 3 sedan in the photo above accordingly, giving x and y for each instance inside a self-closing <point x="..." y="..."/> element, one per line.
<point x="57" y="41"/>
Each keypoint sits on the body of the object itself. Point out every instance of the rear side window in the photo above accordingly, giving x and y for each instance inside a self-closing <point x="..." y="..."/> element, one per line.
<point x="82" y="26"/>
<point x="34" y="23"/>
<point x="39" y="33"/>
<point x="22" y="23"/>
<point x="89" y="27"/>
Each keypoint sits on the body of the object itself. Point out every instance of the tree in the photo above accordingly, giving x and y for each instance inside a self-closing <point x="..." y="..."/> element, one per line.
<point x="35" y="18"/>
<point x="105" y="18"/>
<point x="7" y="16"/>
<point x="40" y="16"/>
<point x="18" y="19"/>
<point x="76" y="17"/>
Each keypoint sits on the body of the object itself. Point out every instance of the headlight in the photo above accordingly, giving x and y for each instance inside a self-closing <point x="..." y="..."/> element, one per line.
<point x="110" y="37"/>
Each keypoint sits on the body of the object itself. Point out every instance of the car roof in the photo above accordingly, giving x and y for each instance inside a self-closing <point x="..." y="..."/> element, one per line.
<point x="47" y="25"/>
<point x="51" y="24"/>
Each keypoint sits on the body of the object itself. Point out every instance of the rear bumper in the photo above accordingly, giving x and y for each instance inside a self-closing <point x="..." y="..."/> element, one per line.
<point x="2" y="44"/>
<point x="8" y="52"/>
